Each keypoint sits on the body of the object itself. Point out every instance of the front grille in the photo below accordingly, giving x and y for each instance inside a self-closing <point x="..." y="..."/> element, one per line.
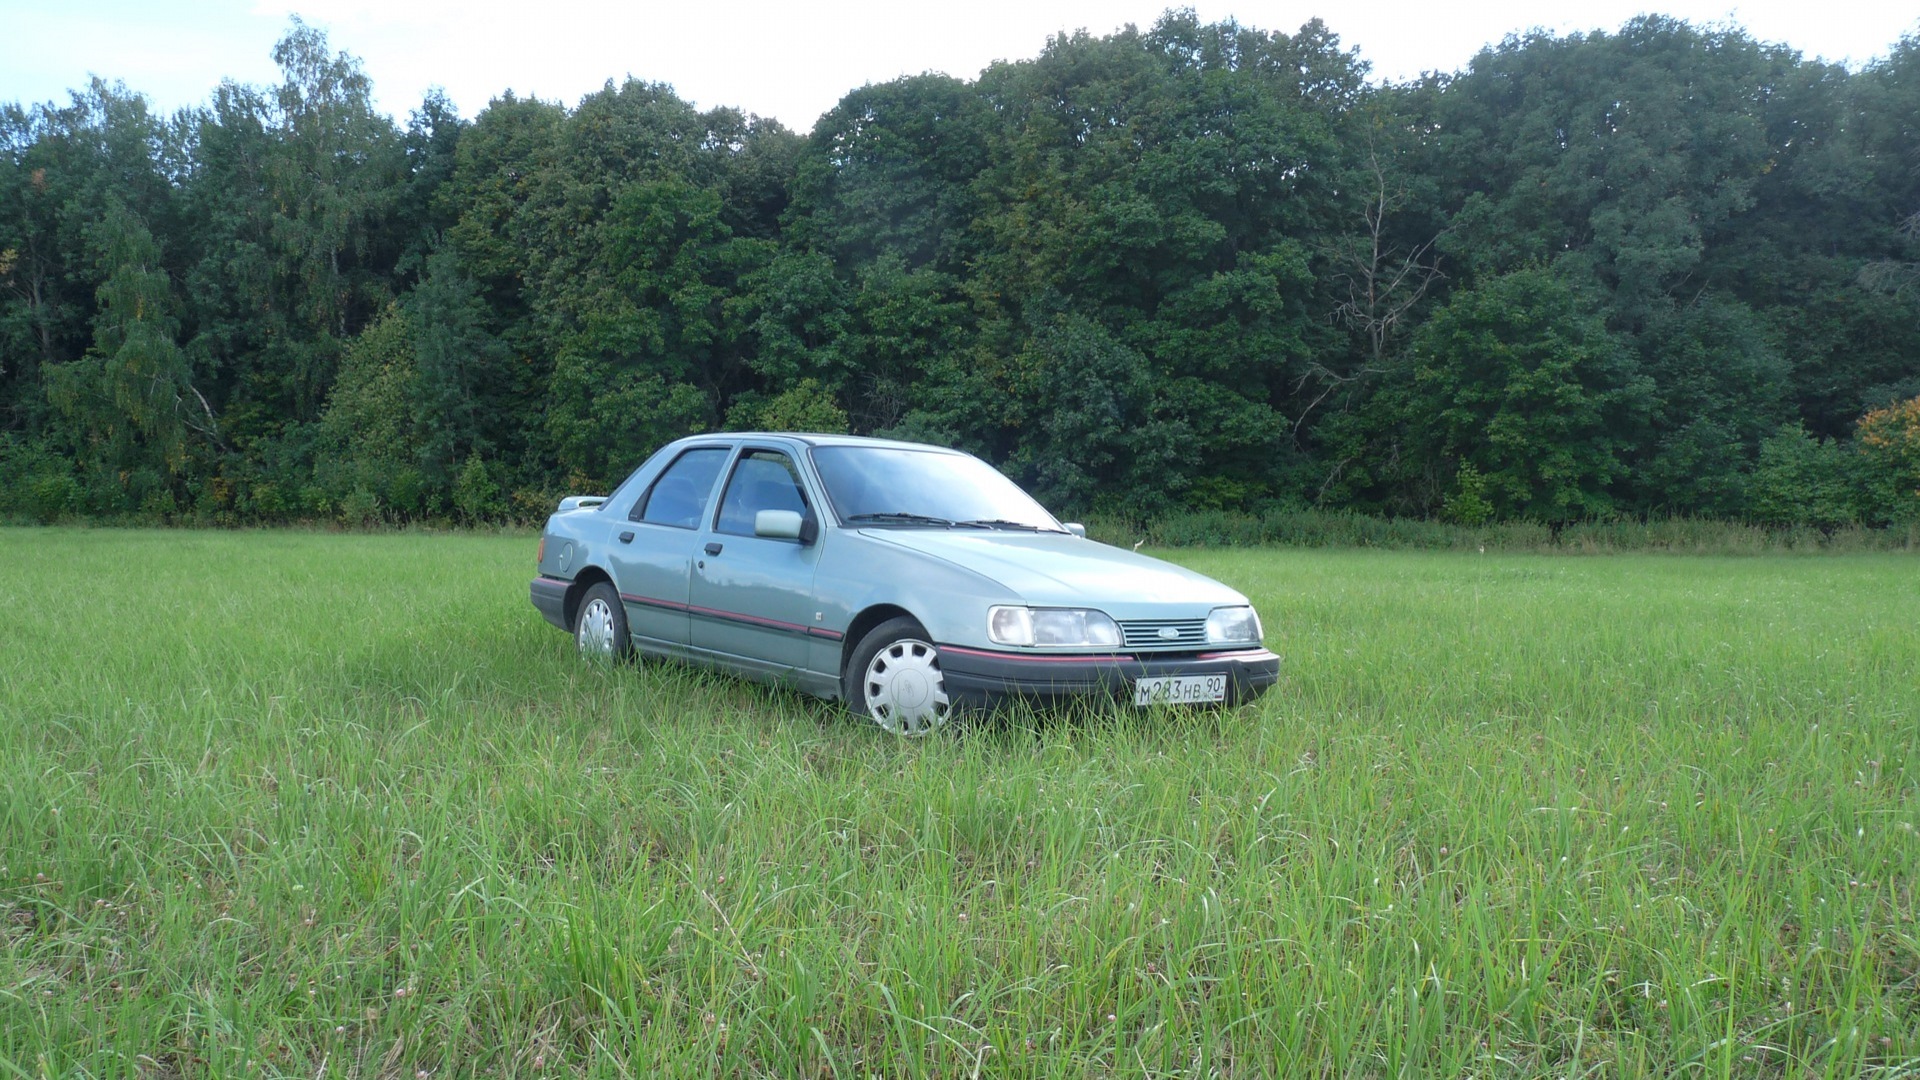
<point x="1148" y="633"/>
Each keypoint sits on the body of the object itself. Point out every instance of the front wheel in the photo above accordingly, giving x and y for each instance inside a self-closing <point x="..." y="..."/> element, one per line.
<point x="600" y="625"/>
<point x="894" y="678"/>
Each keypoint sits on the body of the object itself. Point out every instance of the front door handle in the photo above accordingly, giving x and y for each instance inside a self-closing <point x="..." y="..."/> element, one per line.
<point x="626" y="538"/>
<point x="713" y="548"/>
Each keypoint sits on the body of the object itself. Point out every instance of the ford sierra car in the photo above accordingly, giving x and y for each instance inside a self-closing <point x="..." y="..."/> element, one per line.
<point x="907" y="580"/>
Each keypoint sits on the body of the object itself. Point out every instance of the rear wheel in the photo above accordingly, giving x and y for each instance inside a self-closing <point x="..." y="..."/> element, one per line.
<point x="600" y="625"/>
<point x="894" y="679"/>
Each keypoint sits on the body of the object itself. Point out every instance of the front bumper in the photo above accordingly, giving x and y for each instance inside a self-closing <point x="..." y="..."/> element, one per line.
<point x="983" y="676"/>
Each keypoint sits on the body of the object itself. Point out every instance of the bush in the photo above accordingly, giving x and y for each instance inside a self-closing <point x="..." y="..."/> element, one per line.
<point x="1801" y="480"/>
<point x="1468" y="504"/>
<point x="1297" y="528"/>
<point x="475" y="495"/>
<point x="35" y="483"/>
<point x="1889" y="442"/>
<point x="805" y="406"/>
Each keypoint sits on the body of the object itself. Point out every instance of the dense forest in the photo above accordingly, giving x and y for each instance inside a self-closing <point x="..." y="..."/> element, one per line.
<point x="1666" y="271"/>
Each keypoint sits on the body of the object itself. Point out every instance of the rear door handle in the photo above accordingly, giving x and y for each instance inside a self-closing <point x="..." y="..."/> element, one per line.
<point x="626" y="538"/>
<point x="713" y="549"/>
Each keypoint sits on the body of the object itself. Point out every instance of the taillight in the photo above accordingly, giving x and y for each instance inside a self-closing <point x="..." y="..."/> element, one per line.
<point x="541" y="556"/>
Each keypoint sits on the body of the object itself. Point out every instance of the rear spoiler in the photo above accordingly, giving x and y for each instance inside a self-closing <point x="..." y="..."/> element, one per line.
<point x="581" y="502"/>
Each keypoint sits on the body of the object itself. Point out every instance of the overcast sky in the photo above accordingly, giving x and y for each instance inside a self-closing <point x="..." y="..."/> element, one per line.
<point x="791" y="60"/>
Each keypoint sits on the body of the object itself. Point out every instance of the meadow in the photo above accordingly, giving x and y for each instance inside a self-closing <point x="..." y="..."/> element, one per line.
<point x="298" y="803"/>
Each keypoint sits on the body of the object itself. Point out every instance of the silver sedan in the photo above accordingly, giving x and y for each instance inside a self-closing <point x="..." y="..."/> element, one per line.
<point x="904" y="579"/>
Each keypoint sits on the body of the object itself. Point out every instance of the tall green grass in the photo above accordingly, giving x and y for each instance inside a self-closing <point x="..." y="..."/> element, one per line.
<point x="279" y="803"/>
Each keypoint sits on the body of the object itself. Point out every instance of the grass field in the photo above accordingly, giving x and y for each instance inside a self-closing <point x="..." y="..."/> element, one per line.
<point x="293" y="803"/>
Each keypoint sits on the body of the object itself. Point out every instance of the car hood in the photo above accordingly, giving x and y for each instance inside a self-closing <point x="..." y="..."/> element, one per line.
<point x="1055" y="569"/>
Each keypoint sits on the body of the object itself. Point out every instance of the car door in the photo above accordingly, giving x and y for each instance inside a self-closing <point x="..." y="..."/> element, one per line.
<point x="653" y="550"/>
<point x="752" y="598"/>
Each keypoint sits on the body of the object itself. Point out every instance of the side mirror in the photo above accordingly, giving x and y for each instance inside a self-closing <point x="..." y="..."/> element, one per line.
<point x="779" y="524"/>
<point x="1077" y="529"/>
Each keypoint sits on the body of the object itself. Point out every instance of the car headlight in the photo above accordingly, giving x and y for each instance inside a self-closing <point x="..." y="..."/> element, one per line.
<point x="1009" y="625"/>
<point x="1232" y="624"/>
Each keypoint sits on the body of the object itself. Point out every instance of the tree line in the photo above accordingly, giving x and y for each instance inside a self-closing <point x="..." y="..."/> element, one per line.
<point x="1668" y="270"/>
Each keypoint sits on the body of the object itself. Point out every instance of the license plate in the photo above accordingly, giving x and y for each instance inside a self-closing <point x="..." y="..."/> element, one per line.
<point x="1180" y="689"/>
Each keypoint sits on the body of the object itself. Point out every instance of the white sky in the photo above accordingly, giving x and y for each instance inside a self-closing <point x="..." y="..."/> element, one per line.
<point x="792" y="60"/>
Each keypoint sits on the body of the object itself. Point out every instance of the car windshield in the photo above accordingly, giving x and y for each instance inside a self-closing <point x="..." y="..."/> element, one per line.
<point x="884" y="485"/>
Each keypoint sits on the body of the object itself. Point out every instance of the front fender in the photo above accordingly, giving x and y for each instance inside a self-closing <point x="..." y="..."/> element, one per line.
<point x="858" y="573"/>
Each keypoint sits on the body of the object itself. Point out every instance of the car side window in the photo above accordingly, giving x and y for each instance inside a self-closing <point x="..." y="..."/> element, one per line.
<point x="761" y="480"/>
<point x="679" y="497"/>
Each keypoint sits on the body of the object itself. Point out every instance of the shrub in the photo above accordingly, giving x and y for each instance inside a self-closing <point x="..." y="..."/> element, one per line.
<point x="1889" y="442"/>
<point x="1801" y="480"/>
<point x="805" y="406"/>
<point x="35" y="483"/>
<point x="1468" y="504"/>
<point x="475" y="495"/>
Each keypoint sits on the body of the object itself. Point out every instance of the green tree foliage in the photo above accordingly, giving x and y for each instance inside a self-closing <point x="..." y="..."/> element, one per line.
<point x="64" y="167"/>
<point x="1662" y="270"/>
<point x="1521" y="379"/>
<point x="1889" y="442"/>
<point x="372" y="436"/>
<point x="130" y="402"/>
<point x="890" y="169"/>
<point x="475" y="493"/>
<point x="1150" y="208"/>
<point x="661" y="340"/>
<point x="1716" y="386"/>
<point x="804" y="406"/>
<point x="1802" y="479"/>
<point x="469" y="386"/>
<point x="1091" y="405"/>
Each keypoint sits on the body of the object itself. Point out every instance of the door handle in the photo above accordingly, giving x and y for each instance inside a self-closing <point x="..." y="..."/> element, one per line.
<point x="626" y="538"/>
<point x="713" y="549"/>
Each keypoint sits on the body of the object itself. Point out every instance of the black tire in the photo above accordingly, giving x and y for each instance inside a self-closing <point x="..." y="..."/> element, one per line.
<point x="893" y="678"/>
<point x="600" y="625"/>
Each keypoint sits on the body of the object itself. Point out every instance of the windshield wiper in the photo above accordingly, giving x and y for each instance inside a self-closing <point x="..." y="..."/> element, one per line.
<point x="896" y="517"/>
<point x="1003" y="523"/>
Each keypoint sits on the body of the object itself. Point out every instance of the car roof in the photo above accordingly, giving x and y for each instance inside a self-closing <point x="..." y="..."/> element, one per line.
<point x="820" y="439"/>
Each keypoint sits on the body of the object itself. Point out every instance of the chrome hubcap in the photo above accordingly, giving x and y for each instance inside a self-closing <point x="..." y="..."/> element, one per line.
<point x="905" y="692"/>
<point x="596" y="630"/>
